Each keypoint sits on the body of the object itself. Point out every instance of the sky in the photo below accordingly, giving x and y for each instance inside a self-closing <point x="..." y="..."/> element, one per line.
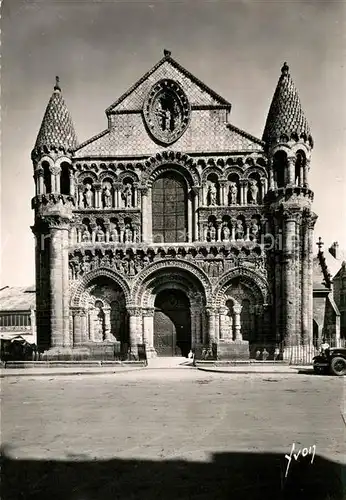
<point x="100" y="48"/>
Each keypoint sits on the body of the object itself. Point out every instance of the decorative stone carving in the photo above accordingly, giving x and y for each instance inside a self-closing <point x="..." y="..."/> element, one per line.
<point x="225" y="232"/>
<point x="107" y="197"/>
<point x="239" y="230"/>
<point x="166" y="111"/>
<point x="233" y="192"/>
<point x="254" y="230"/>
<point x="127" y="195"/>
<point x="86" y="236"/>
<point x="100" y="235"/>
<point x="212" y="194"/>
<point x="253" y="190"/>
<point x="128" y="234"/>
<point x="88" y="196"/>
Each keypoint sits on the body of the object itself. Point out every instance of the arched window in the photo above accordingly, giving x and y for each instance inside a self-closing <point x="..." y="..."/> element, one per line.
<point x="65" y="179"/>
<point x="47" y="178"/>
<point x="169" y="209"/>
<point x="280" y="165"/>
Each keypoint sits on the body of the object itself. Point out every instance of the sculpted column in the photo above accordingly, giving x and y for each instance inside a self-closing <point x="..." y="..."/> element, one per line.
<point x="237" y="324"/>
<point x="189" y="218"/>
<point x="59" y="320"/>
<point x="134" y="313"/>
<point x="211" y="314"/>
<point x="291" y="161"/>
<point x="144" y="213"/>
<point x="148" y="331"/>
<point x="289" y="279"/>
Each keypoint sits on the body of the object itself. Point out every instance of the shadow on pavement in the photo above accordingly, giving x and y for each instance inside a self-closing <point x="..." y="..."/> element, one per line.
<point x="241" y="476"/>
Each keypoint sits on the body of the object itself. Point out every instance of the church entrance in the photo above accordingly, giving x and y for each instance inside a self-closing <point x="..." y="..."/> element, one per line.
<point x="172" y="323"/>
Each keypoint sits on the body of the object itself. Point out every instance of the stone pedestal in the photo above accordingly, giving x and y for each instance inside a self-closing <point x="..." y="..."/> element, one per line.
<point x="66" y="354"/>
<point x="235" y="350"/>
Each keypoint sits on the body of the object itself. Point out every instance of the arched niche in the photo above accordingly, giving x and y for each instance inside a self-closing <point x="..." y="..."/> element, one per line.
<point x="213" y="190"/>
<point x="279" y="168"/>
<point x="65" y="183"/>
<point x="47" y="178"/>
<point x="233" y="195"/>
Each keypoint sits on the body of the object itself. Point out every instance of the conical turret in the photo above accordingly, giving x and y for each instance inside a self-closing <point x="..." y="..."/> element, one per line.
<point x="57" y="130"/>
<point x="286" y="120"/>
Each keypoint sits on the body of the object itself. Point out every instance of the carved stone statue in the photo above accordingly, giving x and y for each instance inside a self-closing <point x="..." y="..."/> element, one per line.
<point x="212" y="194"/>
<point x="127" y="195"/>
<point x="107" y="197"/>
<point x="254" y="230"/>
<point x="114" y="236"/>
<point x="239" y="230"/>
<point x="233" y="191"/>
<point x="88" y="195"/>
<point x="100" y="235"/>
<point x="99" y="330"/>
<point x="128" y="235"/>
<point x="86" y="264"/>
<point x="253" y="190"/>
<point x="226" y="233"/>
<point x="86" y="236"/>
<point x="212" y="232"/>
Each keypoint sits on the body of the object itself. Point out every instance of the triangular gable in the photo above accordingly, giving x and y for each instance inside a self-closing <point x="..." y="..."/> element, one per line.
<point x="197" y="92"/>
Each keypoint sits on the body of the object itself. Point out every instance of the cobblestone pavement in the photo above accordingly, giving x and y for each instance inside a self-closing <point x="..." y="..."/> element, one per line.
<point x="165" y="416"/>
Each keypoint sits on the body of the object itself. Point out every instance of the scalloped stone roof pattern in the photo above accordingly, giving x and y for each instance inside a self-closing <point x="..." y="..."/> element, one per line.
<point x="285" y="114"/>
<point x="57" y="127"/>
<point x="197" y="93"/>
<point x="207" y="132"/>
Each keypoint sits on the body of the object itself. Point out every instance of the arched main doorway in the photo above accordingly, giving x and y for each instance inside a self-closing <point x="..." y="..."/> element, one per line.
<point x="172" y="323"/>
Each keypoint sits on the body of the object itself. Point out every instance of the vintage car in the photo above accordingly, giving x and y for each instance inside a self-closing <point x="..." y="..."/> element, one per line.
<point x="331" y="360"/>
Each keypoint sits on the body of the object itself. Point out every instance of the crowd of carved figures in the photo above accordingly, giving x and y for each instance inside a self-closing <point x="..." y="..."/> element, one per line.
<point x="99" y="231"/>
<point x="233" y="191"/>
<point x="108" y="195"/>
<point x="214" y="262"/>
<point x="232" y="229"/>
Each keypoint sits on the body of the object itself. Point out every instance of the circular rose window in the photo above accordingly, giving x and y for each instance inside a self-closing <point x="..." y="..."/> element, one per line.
<point x="166" y="111"/>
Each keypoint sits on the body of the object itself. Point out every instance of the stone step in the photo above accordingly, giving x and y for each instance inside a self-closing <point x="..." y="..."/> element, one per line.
<point x="169" y="362"/>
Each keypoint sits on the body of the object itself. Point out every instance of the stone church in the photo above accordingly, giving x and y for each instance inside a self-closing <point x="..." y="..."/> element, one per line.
<point x="172" y="228"/>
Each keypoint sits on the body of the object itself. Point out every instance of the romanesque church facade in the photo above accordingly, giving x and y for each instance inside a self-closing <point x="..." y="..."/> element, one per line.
<point x="173" y="228"/>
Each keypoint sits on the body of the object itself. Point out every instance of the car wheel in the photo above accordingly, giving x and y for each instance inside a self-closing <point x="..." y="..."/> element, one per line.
<point x="338" y="366"/>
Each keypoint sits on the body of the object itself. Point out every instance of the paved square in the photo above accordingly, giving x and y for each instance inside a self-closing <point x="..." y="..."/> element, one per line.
<point x="177" y="433"/>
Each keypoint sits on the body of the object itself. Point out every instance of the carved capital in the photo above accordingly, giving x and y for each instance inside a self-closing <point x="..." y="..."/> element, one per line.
<point x="148" y="311"/>
<point x="237" y="308"/>
<point x="134" y="311"/>
<point x="55" y="170"/>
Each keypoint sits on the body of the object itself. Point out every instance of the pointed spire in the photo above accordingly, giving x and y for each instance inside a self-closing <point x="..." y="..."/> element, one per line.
<point x="286" y="119"/>
<point x="57" y="130"/>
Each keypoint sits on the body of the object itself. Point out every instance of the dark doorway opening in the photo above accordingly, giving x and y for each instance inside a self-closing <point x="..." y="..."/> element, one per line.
<point x="172" y="324"/>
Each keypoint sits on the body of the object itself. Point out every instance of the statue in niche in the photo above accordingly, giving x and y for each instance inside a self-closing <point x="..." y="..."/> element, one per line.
<point x="212" y="194"/>
<point x="127" y="195"/>
<point x="212" y="232"/>
<point x="114" y="236"/>
<point x="100" y="235"/>
<point x="254" y="230"/>
<point x="99" y="330"/>
<point x="253" y="189"/>
<point x="131" y="268"/>
<point x="105" y="261"/>
<point x="128" y="234"/>
<point x="233" y="192"/>
<point x="107" y="197"/>
<point x="88" y="196"/>
<point x="226" y="232"/>
<point x="86" y="264"/>
<point x="239" y="230"/>
<point x="86" y="236"/>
